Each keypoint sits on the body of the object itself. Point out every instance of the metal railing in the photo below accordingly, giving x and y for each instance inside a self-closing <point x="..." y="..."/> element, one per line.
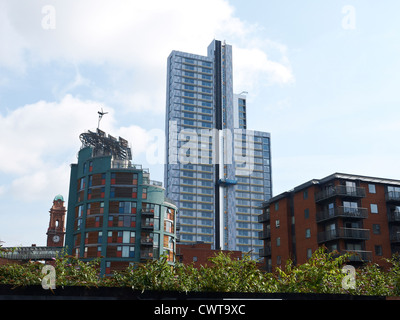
<point x="392" y="196"/>
<point x="394" y="216"/>
<point x="32" y="253"/>
<point x="343" y="233"/>
<point x="265" y="234"/>
<point x="345" y="212"/>
<point x="358" y="255"/>
<point x="264" y="217"/>
<point x="265" y="252"/>
<point x="344" y="191"/>
<point x="395" y="237"/>
<point x="153" y="183"/>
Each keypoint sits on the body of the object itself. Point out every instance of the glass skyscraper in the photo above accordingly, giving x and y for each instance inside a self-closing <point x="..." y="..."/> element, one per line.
<point x="217" y="171"/>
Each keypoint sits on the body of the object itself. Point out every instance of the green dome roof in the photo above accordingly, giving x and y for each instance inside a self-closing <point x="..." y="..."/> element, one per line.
<point x="59" y="197"/>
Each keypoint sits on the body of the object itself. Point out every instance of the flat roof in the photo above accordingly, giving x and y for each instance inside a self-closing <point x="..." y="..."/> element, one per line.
<point x="337" y="175"/>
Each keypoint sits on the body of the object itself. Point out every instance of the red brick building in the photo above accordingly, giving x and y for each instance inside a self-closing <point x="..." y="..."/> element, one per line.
<point x="199" y="253"/>
<point x="343" y="212"/>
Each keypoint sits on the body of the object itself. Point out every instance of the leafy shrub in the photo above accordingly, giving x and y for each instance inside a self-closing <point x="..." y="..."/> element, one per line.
<point x="321" y="274"/>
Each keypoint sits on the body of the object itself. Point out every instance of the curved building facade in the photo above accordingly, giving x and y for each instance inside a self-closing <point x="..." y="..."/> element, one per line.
<point x="114" y="210"/>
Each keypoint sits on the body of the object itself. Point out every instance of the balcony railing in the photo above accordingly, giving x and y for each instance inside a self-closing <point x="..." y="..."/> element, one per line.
<point x="395" y="237"/>
<point x="265" y="252"/>
<point x="394" y="216"/>
<point x="342" y="191"/>
<point x="393" y="196"/>
<point x="265" y="234"/>
<point x="147" y="212"/>
<point x="343" y="233"/>
<point x="264" y="217"/>
<point x="344" y="212"/>
<point x="147" y="225"/>
<point x="153" y="183"/>
<point x="358" y="255"/>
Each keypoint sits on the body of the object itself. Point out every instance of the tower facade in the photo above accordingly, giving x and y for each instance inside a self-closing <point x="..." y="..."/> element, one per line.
<point x="114" y="210"/>
<point x="217" y="171"/>
<point x="56" y="231"/>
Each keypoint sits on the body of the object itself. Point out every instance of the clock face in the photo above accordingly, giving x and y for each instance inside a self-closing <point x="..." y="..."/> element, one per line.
<point x="56" y="238"/>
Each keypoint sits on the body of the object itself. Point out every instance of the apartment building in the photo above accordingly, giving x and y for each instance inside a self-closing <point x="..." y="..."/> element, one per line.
<point x="218" y="172"/>
<point x="344" y="212"/>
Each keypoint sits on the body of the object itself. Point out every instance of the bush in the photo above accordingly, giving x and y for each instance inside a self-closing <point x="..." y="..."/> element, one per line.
<point x="321" y="274"/>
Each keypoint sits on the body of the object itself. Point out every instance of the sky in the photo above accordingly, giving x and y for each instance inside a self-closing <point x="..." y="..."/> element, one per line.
<point x="322" y="77"/>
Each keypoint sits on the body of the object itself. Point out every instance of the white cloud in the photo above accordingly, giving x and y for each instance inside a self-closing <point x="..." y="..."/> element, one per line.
<point x="35" y="133"/>
<point x="41" y="140"/>
<point x="42" y="184"/>
<point x="254" y="70"/>
<point x="129" y="33"/>
<point x="13" y="43"/>
<point x="134" y="38"/>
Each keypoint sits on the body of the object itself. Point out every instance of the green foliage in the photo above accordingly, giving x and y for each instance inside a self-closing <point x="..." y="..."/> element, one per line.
<point x="321" y="274"/>
<point x="71" y="271"/>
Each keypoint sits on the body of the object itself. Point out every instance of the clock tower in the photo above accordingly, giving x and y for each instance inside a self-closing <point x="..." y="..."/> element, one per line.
<point x="56" y="231"/>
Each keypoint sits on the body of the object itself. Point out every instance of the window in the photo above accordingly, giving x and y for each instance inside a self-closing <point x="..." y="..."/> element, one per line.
<point x="371" y="188"/>
<point x="374" y="208"/>
<point x="308" y="233"/>
<point x="350" y="187"/>
<point x="125" y="207"/>
<point x="276" y="206"/>
<point x="306" y="214"/>
<point x="305" y="194"/>
<point x="144" y="193"/>
<point x="376" y="228"/>
<point x="278" y="242"/>
<point x="378" y="250"/>
<point x="350" y="207"/>
<point x="309" y="253"/>
<point x="331" y="209"/>
<point x="277" y="223"/>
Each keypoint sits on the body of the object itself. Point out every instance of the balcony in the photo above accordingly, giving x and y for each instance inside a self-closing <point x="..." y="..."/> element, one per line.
<point x="265" y="252"/>
<point x="148" y="212"/>
<point x="343" y="233"/>
<point x="147" y="224"/>
<point x="358" y="255"/>
<point x="149" y="254"/>
<point x="264" y="217"/>
<point x="342" y="212"/>
<point x="341" y="191"/>
<point x="265" y="234"/>
<point x="394" y="216"/>
<point x="392" y="196"/>
<point x="395" y="237"/>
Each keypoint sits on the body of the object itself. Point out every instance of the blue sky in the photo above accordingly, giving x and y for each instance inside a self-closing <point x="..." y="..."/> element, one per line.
<point x="322" y="76"/>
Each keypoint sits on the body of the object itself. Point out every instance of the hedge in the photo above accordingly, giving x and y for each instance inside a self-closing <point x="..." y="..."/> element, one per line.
<point x="324" y="273"/>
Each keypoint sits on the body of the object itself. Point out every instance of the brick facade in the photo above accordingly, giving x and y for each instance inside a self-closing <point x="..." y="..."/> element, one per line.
<point x="347" y="213"/>
<point x="199" y="253"/>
